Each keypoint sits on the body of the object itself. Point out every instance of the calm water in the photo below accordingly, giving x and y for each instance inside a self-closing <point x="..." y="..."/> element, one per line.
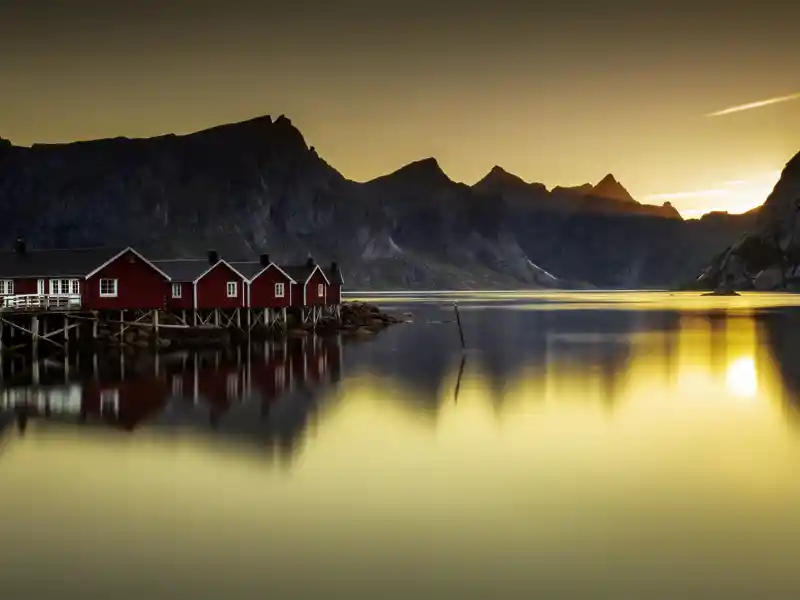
<point x="587" y="445"/>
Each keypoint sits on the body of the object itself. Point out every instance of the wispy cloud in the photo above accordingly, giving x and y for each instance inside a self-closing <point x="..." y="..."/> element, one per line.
<point x="752" y="105"/>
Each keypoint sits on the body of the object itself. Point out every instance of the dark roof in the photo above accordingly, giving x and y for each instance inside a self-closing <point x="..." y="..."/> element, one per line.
<point x="334" y="276"/>
<point x="297" y="272"/>
<point x="249" y="268"/>
<point x="300" y="273"/>
<point x="75" y="262"/>
<point x="183" y="269"/>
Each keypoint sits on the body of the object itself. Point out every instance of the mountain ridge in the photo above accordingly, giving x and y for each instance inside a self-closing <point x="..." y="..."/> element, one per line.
<point x="257" y="186"/>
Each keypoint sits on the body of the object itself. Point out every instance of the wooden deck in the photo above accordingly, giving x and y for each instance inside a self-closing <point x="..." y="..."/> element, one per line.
<point x="40" y="303"/>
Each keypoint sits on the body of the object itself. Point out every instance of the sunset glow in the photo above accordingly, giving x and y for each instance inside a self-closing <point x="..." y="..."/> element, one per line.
<point x="735" y="196"/>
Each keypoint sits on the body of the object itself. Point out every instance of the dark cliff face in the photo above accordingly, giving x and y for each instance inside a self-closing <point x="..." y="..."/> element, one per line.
<point x="257" y="186"/>
<point x="767" y="256"/>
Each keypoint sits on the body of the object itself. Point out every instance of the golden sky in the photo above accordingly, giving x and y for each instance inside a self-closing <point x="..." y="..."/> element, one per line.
<point x="561" y="93"/>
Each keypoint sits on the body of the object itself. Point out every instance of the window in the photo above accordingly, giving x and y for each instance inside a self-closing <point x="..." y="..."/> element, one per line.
<point x="320" y="289"/>
<point x="232" y="289"/>
<point x="279" y="290"/>
<point x="63" y="287"/>
<point x="6" y="287"/>
<point x="176" y="290"/>
<point x="108" y="288"/>
<point x="109" y="402"/>
<point x="40" y="287"/>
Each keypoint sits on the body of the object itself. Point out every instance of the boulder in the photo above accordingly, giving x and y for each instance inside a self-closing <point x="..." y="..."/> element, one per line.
<point x="769" y="279"/>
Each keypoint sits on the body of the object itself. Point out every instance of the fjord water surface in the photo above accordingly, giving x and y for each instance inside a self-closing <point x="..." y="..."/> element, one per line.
<point x="586" y="445"/>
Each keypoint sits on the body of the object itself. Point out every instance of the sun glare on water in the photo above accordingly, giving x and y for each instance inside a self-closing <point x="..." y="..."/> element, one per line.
<point x="741" y="377"/>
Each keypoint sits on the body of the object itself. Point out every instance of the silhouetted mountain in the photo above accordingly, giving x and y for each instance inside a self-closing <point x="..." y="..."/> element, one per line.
<point x="608" y="187"/>
<point x="768" y="256"/>
<point x="257" y="186"/>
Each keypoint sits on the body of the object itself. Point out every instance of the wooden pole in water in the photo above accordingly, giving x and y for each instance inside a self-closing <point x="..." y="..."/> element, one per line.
<point x="458" y="321"/>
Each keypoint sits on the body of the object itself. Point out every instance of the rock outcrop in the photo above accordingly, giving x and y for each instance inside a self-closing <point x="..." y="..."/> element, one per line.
<point x="768" y="256"/>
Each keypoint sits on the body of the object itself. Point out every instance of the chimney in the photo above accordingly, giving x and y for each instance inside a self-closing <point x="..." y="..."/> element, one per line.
<point x="213" y="257"/>
<point x="264" y="259"/>
<point x="19" y="246"/>
<point x="334" y="267"/>
<point x="310" y="262"/>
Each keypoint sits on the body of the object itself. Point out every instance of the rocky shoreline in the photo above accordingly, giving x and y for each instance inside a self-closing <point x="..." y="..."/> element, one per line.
<point x="357" y="319"/>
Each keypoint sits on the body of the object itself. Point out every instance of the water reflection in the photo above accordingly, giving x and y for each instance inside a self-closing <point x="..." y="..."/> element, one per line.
<point x="240" y="392"/>
<point x="577" y="453"/>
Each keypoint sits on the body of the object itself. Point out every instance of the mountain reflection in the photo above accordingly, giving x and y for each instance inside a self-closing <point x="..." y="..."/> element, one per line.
<point x="270" y="395"/>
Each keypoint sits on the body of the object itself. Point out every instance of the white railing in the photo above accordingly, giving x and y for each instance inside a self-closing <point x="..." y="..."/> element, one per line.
<point x="41" y="302"/>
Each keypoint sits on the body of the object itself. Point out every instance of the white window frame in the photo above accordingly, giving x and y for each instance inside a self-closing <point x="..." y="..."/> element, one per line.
<point x="109" y="397"/>
<point x="177" y="290"/>
<point x="320" y="289"/>
<point x="280" y="290"/>
<point x="6" y="287"/>
<point x="115" y="286"/>
<point x="232" y="285"/>
<point x="63" y="287"/>
<point x="40" y="287"/>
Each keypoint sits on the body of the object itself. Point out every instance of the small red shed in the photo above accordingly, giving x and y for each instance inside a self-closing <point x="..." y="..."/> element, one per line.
<point x="309" y="284"/>
<point x="270" y="286"/>
<point x="220" y="286"/>
<point x="205" y="284"/>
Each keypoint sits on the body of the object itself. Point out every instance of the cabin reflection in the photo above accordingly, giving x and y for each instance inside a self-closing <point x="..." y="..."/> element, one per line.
<point x="235" y="390"/>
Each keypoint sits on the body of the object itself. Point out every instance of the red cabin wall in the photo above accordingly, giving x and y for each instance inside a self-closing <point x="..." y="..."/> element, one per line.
<point x="186" y="301"/>
<point x="297" y="294"/>
<point x="334" y="295"/>
<point x="212" y="289"/>
<point x="313" y="298"/>
<point x="27" y="286"/>
<point x="139" y="286"/>
<point x="262" y="290"/>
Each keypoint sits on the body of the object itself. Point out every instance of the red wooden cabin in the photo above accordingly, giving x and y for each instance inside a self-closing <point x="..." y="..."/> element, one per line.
<point x="270" y="286"/>
<point x="204" y="284"/>
<point x="92" y="278"/>
<point x="309" y="284"/>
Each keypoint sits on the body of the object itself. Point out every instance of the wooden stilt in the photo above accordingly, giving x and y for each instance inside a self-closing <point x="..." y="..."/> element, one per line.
<point x="35" y="333"/>
<point x="155" y="323"/>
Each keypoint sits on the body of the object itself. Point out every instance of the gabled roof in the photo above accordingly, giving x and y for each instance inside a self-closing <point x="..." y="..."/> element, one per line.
<point x="262" y="268"/>
<point x="214" y="266"/>
<point x="74" y="262"/>
<point x="190" y="270"/>
<point x="334" y="276"/>
<point x="122" y="253"/>
<point x="183" y="269"/>
<point x="249" y="268"/>
<point x="301" y="273"/>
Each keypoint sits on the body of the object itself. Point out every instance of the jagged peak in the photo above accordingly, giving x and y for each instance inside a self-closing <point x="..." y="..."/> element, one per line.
<point x="609" y="187"/>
